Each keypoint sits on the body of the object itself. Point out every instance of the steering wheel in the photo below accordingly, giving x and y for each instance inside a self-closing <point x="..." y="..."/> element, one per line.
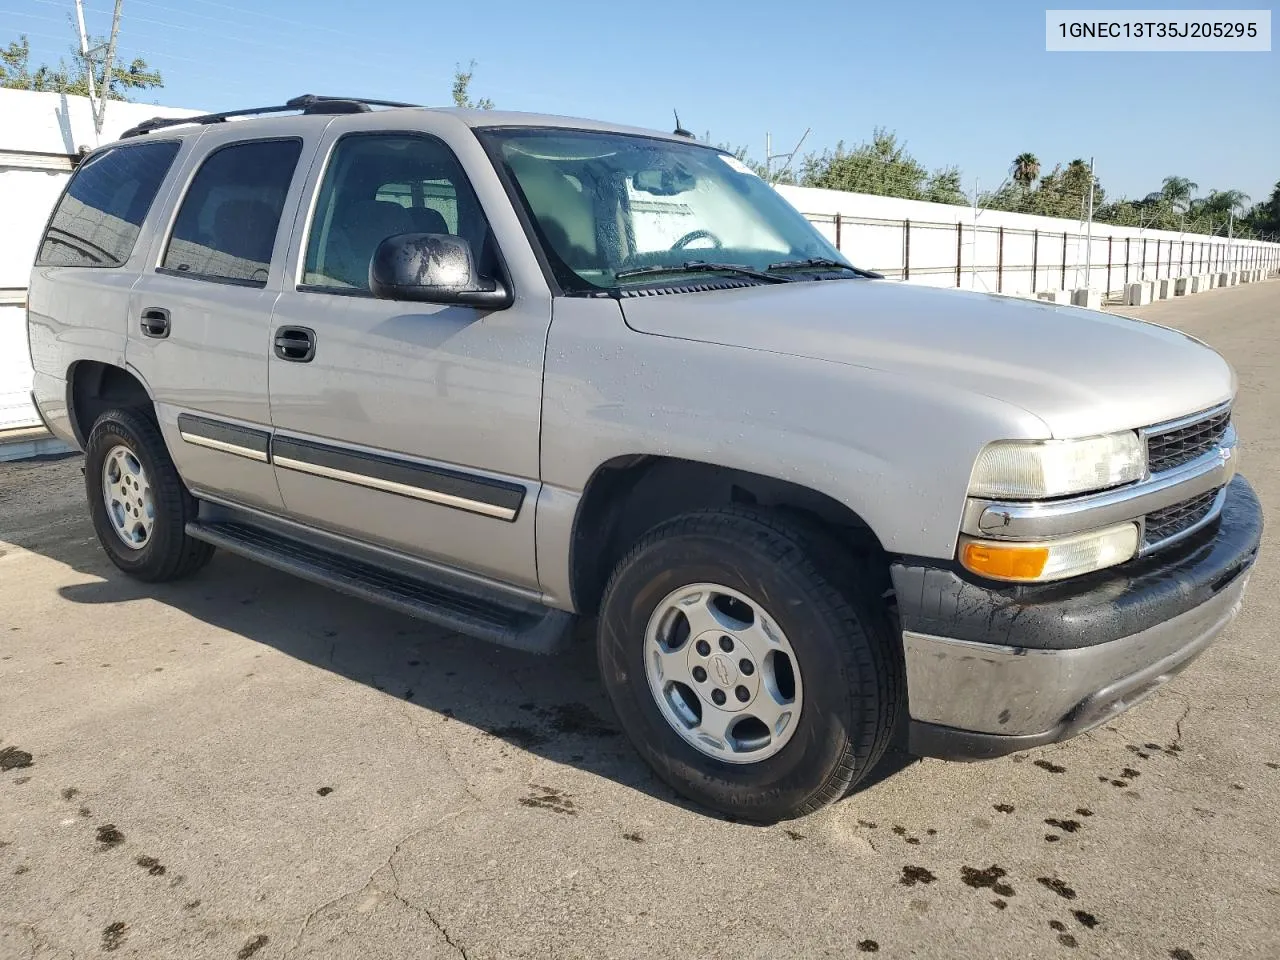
<point x="693" y="235"/>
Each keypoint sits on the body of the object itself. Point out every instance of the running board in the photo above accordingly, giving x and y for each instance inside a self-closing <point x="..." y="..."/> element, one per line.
<point x="529" y="627"/>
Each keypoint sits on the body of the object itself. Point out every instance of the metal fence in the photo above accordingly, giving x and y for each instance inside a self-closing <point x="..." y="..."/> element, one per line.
<point x="1017" y="260"/>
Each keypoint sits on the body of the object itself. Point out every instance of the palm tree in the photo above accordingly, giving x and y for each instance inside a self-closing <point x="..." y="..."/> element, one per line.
<point x="1178" y="191"/>
<point x="1025" y="170"/>
<point x="1228" y="201"/>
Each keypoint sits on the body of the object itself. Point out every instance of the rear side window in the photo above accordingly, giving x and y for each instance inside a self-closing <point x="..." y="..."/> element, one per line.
<point x="226" y="226"/>
<point x="98" y="218"/>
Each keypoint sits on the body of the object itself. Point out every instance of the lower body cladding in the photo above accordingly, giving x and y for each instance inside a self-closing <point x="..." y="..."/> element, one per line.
<point x="993" y="670"/>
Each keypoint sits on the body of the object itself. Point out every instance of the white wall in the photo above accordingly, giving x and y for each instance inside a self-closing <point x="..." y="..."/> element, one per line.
<point x="872" y="232"/>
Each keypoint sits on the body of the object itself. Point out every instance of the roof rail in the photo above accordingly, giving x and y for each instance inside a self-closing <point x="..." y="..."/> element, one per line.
<point x="308" y="103"/>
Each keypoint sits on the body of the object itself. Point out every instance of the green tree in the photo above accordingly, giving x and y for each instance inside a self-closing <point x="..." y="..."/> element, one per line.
<point x="1059" y="193"/>
<point x="16" y="73"/>
<point x="882" y="167"/>
<point x="1075" y="184"/>
<point x="1220" y="204"/>
<point x="1178" y="192"/>
<point x="944" y="187"/>
<point x="1264" y="217"/>
<point x="1025" y="170"/>
<point x="461" y="89"/>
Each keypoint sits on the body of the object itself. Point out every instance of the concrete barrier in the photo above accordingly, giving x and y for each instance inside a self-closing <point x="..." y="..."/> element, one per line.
<point x="1180" y="286"/>
<point x="1164" y="288"/>
<point x="1054" y="296"/>
<point x="1088" y="298"/>
<point x="1137" y="294"/>
<point x="1199" y="283"/>
<point x="1224" y="280"/>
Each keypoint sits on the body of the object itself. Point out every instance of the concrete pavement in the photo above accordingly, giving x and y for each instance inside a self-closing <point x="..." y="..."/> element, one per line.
<point x="244" y="765"/>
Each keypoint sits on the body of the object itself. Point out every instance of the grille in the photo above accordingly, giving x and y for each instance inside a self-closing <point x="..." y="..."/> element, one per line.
<point x="1173" y="448"/>
<point x="1171" y="521"/>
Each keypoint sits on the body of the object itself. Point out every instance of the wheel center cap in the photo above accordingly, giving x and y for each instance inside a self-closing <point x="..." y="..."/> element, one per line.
<point x="724" y="669"/>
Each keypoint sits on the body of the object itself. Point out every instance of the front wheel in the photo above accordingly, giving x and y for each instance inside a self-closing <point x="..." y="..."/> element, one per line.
<point x="139" y="505"/>
<point x="747" y="665"/>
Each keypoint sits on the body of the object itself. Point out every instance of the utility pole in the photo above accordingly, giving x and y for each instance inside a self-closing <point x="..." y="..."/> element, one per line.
<point x="1231" y="224"/>
<point x="1088" y="243"/>
<point x="84" y="55"/>
<point x="101" y="112"/>
<point x="98" y="98"/>
<point x="770" y="156"/>
<point x="973" y="260"/>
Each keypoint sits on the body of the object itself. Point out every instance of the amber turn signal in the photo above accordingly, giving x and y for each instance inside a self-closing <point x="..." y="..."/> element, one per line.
<point x="1053" y="559"/>
<point x="1005" y="561"/>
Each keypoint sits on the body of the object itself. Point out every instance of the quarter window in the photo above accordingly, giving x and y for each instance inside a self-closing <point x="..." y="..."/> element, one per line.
<point x="226" y="227"/>
<point x="97" y="221"/>
<point x="380" y="185"/>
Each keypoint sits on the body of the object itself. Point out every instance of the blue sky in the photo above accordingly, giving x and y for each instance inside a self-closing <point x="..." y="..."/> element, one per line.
<point x="962" y="83"/>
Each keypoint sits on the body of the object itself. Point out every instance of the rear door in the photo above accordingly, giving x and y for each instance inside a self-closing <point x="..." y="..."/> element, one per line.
<point x="200" y="316"/>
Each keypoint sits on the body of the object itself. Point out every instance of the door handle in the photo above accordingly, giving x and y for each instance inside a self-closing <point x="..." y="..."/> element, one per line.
<point x="296" y="344"/>
<point x="155" y="322"/>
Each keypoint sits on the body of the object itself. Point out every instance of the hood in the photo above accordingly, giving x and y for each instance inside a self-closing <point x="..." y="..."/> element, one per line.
<point x="1081" y="371"/>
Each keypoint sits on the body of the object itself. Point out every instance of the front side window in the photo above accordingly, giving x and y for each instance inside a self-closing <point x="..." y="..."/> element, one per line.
<point x="226" y="226"/>
<point x="605" y="204"/>
<point x="97" y="221"/>
<point x="380" y="185"/>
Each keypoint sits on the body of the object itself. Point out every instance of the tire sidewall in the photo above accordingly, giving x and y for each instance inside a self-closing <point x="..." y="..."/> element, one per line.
<point x="111" y="430"/>
<point x="837" y="704"/>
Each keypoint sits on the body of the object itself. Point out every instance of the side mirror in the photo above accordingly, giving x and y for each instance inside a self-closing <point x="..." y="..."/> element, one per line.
<point x="432" y="268"/>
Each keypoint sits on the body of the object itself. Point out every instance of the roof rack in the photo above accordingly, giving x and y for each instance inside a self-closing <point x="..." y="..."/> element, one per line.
<point x="308" y="103"/>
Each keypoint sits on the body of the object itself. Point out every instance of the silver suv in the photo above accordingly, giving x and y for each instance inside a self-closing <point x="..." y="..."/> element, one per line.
<point x="503" y="372"/>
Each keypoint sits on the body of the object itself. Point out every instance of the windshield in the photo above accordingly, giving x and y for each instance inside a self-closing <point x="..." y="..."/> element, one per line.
<point x="605" y="204"/>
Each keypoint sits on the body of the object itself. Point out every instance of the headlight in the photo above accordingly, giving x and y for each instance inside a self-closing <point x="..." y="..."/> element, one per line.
<point x="1038" y="469"/>
<point x="1046" y="560"/>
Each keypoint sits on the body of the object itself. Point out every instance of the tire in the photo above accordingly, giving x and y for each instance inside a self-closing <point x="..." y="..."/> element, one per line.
<point x="848" y="664"/>
<point x="165" y="552"/>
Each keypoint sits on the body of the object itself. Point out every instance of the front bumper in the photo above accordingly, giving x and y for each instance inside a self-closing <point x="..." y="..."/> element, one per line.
<point x="996" y="669"/>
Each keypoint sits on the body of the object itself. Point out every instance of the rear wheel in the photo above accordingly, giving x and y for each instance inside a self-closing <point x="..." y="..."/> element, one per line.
<point x="139" y="506"/>
<point x="747" y="664"/>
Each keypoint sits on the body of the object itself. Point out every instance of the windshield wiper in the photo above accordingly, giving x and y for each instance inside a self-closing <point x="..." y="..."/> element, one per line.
<point x="700" y="266"/>
<point x="825" y="263"/>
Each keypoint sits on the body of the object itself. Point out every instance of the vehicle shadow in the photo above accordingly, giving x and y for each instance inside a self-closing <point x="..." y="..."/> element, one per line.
<point x="552" y="707"/>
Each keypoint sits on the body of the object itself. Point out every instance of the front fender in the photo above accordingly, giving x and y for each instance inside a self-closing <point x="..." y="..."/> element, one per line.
<point x="897" y="452"/>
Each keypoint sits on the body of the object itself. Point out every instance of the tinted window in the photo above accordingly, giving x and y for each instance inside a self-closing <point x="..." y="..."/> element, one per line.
<point x="226" y="227"/>
<point x="379" y="185"/>
<point x="98" y="218"/>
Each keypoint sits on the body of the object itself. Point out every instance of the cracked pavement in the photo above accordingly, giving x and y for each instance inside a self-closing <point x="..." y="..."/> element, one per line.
<point x="290" y="773"/>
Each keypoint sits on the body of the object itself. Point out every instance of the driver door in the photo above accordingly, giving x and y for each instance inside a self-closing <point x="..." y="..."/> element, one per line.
<point x="409" y="425"/>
